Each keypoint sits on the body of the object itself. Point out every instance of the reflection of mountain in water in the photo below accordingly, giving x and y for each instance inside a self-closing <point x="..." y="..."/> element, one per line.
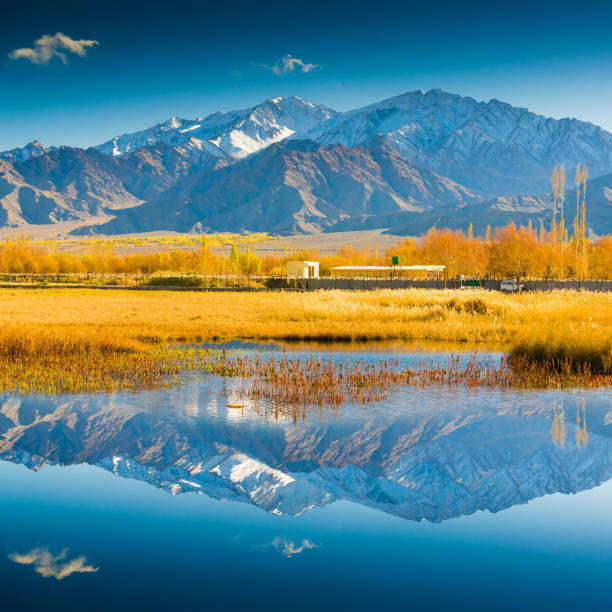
<point x="415" y="463"/>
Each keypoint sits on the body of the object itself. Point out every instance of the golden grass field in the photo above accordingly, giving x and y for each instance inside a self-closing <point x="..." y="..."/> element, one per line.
<point x="539" y="326"/>
<point x="472" y="316"/>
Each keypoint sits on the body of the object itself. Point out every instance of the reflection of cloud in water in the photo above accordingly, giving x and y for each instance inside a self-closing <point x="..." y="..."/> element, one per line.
<point x="288" y="548"/>
<point x="49" y="566"/>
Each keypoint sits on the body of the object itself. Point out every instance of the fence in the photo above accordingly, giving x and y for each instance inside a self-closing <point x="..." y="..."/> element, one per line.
<point x="201" y="282"/>
<point x="142" y="281"/>
<point x="378" y="283"/>
<point x="490" y="284"/>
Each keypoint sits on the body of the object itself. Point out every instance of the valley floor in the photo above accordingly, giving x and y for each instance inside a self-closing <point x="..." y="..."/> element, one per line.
<point x="326" y="243"/>
<point x="55" y="340"/>
<point x="414" y="314"/>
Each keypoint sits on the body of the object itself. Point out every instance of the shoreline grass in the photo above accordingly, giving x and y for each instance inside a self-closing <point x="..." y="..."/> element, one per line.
<point x="88" y="340"/>
<point x="295" y="382"/>
<point x="47" y="363"/>
<point x="466" y="316"/>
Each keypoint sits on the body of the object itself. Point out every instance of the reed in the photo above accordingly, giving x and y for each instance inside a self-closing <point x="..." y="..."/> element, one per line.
<point x="43" y="362"/>
<point x="566" y="353"/>
<point x="466" y="316"/>
<point x="288" y="384"/>
<point x="88" y="340"/>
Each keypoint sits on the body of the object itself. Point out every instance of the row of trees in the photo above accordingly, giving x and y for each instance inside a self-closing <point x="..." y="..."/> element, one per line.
<point x="516" y="252"/>
<point x="558" y="230"/>
<point x="507" y="252"/>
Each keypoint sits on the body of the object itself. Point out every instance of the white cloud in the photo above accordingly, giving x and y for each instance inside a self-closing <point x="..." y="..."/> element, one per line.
<point x="49" y="566"/>
<point x="47" y="47"/>
<point x="288" y="63"/>
<point x="288" y="548"/>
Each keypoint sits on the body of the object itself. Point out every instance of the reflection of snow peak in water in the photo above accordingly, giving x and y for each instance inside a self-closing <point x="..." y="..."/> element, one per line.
<point x="436" y="453"/>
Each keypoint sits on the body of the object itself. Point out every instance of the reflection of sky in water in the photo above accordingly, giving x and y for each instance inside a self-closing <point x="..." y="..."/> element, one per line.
<point x="322" y="513"/>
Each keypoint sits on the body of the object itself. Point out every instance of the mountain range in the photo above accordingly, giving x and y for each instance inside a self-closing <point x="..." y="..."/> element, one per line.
<point x="290" y="166"/>
<point x="415" y="463"/>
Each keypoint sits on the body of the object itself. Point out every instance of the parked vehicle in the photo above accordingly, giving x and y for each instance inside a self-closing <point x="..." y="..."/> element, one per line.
<point x="511" y="286"/>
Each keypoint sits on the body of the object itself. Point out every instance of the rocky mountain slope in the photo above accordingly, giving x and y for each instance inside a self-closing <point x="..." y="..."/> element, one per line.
<point x="493" y="147"/>
<point x="70" y="184"/>
<point x="22" y="154"/>
<point x="236" y="133"/>
<point x="287" y="165"/>
<point x="500" y="211"/>
<point x="297" y="186"/>
<point x="23" y="204"/>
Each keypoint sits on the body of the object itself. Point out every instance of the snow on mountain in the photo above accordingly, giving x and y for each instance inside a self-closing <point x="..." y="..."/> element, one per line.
<point x="235" y="133"/>
<point x="32" y="149"/>
<point x="492" y="146"/>
<point x="175" y="131"/>
<point x="417" y="465"/>
<point x="448" y="152"/>
<point x="295" y="186"/>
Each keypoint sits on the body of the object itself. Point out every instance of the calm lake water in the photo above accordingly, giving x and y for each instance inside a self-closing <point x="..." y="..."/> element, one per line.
<point x="435" y="499"/>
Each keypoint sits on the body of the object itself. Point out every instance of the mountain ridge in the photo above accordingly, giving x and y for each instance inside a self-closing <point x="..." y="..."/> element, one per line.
<point x="487" y="163"/>
<point x="296" y="186"/>
<point x="457" y="136"/>
<point x="417" y="465"/>
<point x="234" y="134"/>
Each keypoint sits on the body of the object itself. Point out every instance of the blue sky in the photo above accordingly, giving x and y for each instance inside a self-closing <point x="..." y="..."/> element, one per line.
<point x="158" y="59"/>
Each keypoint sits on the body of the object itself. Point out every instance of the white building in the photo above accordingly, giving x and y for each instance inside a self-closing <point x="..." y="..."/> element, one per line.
<point x="297" y="270"/>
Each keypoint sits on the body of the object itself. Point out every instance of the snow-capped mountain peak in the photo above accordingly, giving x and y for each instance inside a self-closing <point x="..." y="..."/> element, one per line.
<point x="415" y="464"/>
<point x="492" y="146"/>
<point x="236" y="133"/>
<point x="164" y="131"/>
<point x="32" y="149"/>
<point x="441" y="152"/>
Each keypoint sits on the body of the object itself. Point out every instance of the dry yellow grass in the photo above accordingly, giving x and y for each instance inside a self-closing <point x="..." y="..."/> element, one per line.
<point x="119" y="336"/>
<point x="52" y="363"/>
<point x="459" y="316"/>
